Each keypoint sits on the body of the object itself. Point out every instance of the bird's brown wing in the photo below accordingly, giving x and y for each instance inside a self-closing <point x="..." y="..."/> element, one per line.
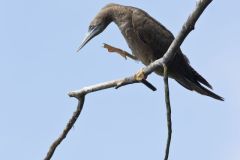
<point x="151" y="32"/>
<point x="158" y="38"/>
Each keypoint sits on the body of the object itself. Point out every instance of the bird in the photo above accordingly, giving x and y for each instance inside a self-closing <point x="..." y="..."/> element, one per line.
<point x="148" y="40"/>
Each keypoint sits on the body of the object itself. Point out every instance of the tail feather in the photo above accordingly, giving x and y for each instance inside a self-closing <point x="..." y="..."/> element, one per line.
<point x="187" y="70"/>
<point x="191" y="80"/>
<point x="195" y="86"/>
<point x="201" y="79"/>
<point x="200" y="89"/>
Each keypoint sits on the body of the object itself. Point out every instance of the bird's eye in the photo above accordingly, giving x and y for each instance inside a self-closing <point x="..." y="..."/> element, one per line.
<point x="90" y="27"/>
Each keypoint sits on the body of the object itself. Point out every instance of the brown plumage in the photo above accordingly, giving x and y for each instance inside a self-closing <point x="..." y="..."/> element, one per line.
<point x="149" y="40"/>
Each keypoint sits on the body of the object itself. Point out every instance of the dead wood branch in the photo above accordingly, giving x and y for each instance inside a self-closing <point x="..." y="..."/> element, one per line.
<point x="136" y="78"/>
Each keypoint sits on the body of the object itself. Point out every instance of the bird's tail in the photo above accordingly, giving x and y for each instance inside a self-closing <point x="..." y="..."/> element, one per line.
<point x="191" y="80"/>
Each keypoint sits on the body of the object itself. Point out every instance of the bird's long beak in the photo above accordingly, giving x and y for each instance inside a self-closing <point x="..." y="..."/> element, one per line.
<point x="92" y="33"/>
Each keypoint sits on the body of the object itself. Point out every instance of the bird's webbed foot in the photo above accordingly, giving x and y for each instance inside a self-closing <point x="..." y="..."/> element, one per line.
<point x="121" y="52"/>
<point x="140" y="75"/>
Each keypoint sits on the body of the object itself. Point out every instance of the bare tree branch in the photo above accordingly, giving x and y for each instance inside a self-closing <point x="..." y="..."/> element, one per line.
<point x="105" y="85"/>
<point x="140" y="76"/>
<point x="68" y="127"/>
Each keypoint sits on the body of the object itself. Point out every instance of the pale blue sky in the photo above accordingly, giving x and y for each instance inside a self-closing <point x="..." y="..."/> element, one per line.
<point x="39" y="66"/>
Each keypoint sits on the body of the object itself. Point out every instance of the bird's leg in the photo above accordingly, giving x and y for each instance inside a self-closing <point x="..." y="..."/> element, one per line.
<point x="139" y="76"/>
<point x="119" y="51"/>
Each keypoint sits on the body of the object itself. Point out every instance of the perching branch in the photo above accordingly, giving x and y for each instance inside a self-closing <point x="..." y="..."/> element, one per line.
<point x="105" y="85"/>
<point x="140" y="76"/>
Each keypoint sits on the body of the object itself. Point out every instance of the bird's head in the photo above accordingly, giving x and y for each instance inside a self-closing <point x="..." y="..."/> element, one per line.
<point x="98" y="24"/>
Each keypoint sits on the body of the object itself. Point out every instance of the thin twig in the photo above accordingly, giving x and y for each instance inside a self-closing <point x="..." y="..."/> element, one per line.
<point x="149" y="85"/>
<point x="67" y="128"/>
<point x="168" y="108"/>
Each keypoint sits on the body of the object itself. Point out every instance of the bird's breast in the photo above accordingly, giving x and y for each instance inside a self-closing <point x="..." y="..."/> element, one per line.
<point x="142" y="51"/>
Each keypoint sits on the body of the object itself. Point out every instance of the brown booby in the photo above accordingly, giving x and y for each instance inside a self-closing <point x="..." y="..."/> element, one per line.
<point x="149" y="40"/>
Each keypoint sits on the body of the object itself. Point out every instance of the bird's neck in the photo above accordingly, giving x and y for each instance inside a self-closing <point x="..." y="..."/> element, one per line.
<point x="118" y="14"/>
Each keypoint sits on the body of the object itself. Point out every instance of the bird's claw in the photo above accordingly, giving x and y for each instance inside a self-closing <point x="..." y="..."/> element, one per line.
<point x="140" y="75"/>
